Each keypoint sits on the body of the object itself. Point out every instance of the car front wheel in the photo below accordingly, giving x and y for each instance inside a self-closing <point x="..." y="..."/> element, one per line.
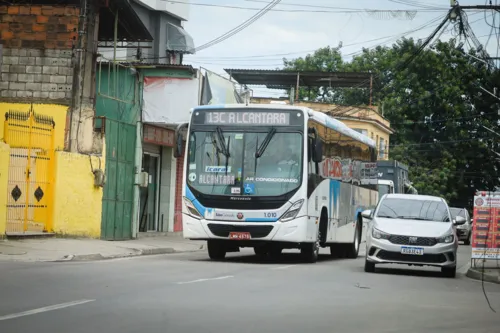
<point x="467" y="240"/>
<point x="449" y="272"/>
<point x="369" y="266"/>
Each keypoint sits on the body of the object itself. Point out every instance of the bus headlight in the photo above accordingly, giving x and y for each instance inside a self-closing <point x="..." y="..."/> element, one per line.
<point x="292" y="212"/>
<point x="192" y="209"/>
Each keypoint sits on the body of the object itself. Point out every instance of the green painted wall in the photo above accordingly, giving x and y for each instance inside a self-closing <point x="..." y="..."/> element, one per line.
<point x="119" y="97"/>
<point x="118" y="100"/>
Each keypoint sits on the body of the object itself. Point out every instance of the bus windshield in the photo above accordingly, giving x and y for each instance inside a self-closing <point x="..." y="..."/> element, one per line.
<point x="230" y="167"/>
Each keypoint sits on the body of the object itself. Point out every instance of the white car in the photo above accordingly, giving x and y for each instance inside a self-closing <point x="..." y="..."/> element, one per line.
<point x="413" y="230"/>
<point x="464" y="231"/>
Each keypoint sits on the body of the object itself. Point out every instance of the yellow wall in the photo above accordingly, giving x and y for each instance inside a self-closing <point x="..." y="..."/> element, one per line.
<point x="77" y="204"/>
<point x="57" y="112"/>
<point x="373" y="133"/>
<point x="4" y="173"/>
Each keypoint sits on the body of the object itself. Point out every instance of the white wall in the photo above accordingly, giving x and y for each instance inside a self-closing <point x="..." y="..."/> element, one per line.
<point x="176" y="9"/>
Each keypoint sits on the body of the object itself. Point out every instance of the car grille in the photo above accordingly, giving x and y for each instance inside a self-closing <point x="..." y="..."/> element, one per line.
<point x="426" y="258"/>
<point x="405" y="240"/>
<point x="256" y="231"/>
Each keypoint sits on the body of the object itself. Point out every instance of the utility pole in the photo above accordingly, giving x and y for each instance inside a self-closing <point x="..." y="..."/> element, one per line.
<point x="454" y="3"/>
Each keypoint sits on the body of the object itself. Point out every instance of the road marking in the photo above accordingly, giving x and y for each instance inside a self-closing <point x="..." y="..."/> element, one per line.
<point x="283" y="267"/>
<point x="203" y="280"/>
<point x="45" y="309"/>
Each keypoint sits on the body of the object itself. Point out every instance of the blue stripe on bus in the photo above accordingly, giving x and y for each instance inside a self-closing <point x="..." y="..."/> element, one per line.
<point x="260" y="219"/>
<point x="201" y="209"/>
<point x="359" y="210"/>
<point x="334" y="193"/>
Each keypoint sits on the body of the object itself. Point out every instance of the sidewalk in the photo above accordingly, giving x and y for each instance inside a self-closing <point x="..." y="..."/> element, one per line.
<point x="64" y="249"/>
<point x="491" y="272"/>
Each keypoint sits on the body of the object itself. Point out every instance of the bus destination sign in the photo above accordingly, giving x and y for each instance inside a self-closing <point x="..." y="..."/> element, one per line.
<point x="247" y="118"/>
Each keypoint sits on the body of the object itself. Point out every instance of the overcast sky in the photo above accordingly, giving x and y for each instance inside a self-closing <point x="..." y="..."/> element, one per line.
<point x="293" y="29"/>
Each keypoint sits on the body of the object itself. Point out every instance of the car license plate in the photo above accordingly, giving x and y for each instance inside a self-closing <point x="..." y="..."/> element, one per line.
<point x="239" y="235"/>
<point x="417" y="251"/>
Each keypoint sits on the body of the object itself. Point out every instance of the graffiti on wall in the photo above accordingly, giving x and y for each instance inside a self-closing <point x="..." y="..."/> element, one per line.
<point x="348" y="170"/>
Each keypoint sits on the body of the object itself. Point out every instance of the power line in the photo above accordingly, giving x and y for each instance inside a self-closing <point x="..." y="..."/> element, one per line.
<point x="417" y="4"/>
<point x="431" y="121"/>
<point x="278" y="56"/>
<point x="397" y="36"/>
<point x="406" y="145"/>
<point x="360" y="10"/>
<point x="240" y="27"/>
<point x="321" y="9"/>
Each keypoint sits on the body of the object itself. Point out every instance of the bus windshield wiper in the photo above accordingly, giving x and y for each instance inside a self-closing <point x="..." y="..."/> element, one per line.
<point x="227" y="156"/>
<point x="265" y="143"/>
<point x="220" y="136"/>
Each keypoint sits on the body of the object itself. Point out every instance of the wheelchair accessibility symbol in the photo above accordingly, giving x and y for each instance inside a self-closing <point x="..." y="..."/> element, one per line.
<point x="249" y="188"/>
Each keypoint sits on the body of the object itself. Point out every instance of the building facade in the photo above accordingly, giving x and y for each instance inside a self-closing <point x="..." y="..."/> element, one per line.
<point x="52" y="156"/>
<point x="45" y="187"/>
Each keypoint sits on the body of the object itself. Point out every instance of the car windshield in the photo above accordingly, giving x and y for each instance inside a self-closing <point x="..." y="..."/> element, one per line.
<point x="412" y="209"/>
<point x="275" y="172"/>
<point x="457" y="212"/>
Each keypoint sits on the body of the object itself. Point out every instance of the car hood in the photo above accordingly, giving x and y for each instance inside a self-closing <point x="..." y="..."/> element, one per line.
<point x="412" y="227"/>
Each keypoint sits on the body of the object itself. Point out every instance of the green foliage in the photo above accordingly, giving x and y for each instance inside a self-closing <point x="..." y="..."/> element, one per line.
<point x="435" y="106"/>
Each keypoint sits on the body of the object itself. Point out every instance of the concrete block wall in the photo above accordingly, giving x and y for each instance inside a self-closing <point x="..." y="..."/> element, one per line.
<point x="37" y="52"/>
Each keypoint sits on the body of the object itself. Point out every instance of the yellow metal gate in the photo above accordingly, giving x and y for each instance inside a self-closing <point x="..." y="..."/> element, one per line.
<point x="30" y="192"/>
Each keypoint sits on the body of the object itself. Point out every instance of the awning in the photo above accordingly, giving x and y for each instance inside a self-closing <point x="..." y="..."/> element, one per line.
<point x="178" y="40"/>
<point x="130" y="27"/>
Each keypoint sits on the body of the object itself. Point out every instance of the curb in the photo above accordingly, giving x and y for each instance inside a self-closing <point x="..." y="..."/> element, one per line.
<point x="478" y="275"/>
<point x="136" y="253"/>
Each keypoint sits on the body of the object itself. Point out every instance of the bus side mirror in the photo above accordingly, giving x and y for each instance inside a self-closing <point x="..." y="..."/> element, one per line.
<point x="178" y="140"/>
<point x="318" y="151"/>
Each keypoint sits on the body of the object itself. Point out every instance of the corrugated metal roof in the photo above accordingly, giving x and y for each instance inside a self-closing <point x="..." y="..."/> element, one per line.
<point x="282" y="79"/>
<point x="140" y="65"/>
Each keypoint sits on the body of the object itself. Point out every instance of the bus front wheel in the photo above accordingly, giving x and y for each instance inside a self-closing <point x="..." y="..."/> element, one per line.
<point x="310" y="251"/>
<point x="216" y="250"/>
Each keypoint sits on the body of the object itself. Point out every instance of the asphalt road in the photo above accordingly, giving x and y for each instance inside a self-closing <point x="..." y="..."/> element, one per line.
<point x="187" y="293"/>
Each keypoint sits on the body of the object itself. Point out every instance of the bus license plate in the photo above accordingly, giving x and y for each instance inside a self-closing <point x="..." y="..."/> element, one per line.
<point x="417" y="251"/>
<point x="239" y="235"/>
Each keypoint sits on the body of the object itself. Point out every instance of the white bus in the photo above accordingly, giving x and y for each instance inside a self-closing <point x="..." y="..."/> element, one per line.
<point x="275" y="177"/>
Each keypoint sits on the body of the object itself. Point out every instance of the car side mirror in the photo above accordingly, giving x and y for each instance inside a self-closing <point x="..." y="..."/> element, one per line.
<point x="367" y="214"/>
<point x="459" y="220"/>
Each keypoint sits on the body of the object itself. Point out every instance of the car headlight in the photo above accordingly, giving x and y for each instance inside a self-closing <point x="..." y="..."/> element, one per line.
<point x="192" y="209"/>
<point x="446" y="239"/>
<point x="292" y="212"/>
<point x="379" y="234"/>
<point x="463" y="226"/>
